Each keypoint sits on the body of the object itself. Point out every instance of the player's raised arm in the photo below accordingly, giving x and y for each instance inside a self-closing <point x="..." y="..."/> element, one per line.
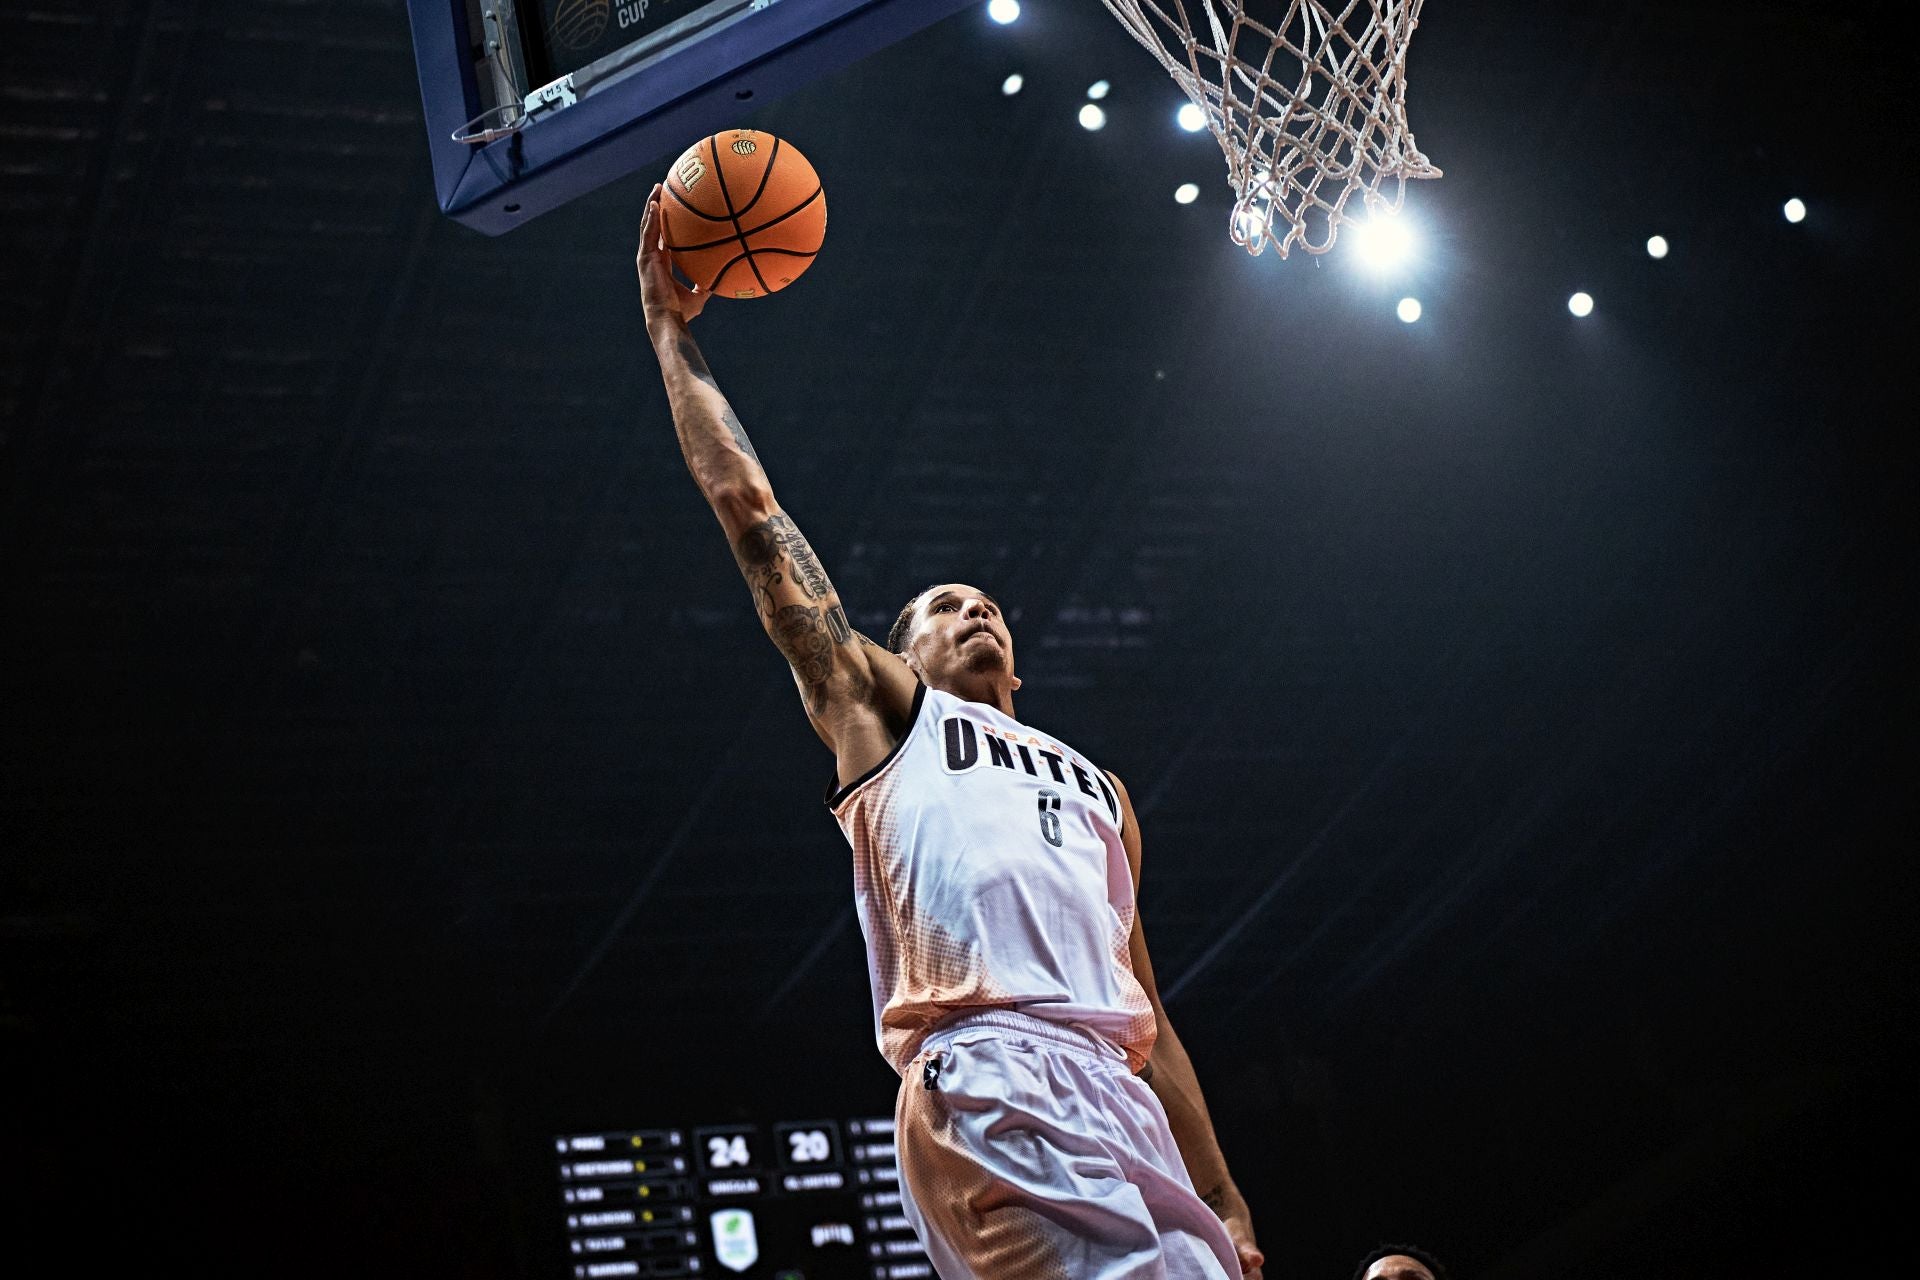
<point x="836" y="670"/>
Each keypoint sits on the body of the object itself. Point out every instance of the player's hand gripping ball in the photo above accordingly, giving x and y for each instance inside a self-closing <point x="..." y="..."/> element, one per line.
<point x="744" y="214"/>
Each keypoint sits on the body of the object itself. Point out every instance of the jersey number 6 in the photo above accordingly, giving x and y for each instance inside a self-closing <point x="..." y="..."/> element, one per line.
<point x="1050" y="817"/>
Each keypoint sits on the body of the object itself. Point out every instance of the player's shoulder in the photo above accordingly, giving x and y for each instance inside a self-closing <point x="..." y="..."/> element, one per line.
<point x="868" y="714"/>
<point x="883" y="684"/>
<point x="1128" y="823"/>
<point x="884" y="664"/>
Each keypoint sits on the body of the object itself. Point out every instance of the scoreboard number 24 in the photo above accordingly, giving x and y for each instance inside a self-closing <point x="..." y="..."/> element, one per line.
<point x="728" y="1152"/>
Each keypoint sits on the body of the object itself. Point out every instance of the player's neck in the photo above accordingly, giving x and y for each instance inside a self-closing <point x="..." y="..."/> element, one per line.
<point x="994" y="693"/>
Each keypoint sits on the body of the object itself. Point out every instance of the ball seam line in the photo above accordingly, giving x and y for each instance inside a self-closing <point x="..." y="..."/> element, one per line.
<point x="750" y="231"/>
<point x="761" y="190"/>
<point x="713" y="145"/>
<point x="785" y="253"/>
<point x="682" y="202"/>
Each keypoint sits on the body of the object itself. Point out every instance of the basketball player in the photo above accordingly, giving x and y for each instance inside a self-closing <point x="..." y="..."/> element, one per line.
<point x="1049" y="1126"/>
<point x="1399" y="1262"/>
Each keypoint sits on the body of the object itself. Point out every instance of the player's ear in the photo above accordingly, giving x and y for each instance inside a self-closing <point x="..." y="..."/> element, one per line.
<point x="1016" y="683"/>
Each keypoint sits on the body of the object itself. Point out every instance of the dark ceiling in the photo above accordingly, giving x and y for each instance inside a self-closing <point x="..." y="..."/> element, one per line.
<point x="394" y="773"/>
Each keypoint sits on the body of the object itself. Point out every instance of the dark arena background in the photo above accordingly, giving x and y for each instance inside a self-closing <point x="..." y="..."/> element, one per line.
<point x="396" y="783"/>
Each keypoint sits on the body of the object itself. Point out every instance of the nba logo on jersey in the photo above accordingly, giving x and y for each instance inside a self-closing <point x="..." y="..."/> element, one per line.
<point x="734" y="1242"/>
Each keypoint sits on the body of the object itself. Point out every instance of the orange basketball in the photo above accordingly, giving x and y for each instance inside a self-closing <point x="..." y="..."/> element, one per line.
<point x="744" y="214"/>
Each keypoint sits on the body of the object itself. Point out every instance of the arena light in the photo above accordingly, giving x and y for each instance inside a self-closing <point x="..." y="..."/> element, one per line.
<point x="1186" y="193"/>
<point x="1098" y="90"/>
<point x="1092" y="118"/>
<point x="1581" y="304"/>
<point x="1190" y="118"/>
<point x="1656" y="246"/>
<point x="1003" y="11"/>
<point x="1795" y="210"/>
<point x="1408" y="310"/>
<point x="1383" y="241"/>
<point x="1011" y="85"/>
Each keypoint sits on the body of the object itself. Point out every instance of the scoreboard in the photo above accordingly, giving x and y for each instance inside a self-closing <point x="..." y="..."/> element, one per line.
<point x="797" y="1200"/>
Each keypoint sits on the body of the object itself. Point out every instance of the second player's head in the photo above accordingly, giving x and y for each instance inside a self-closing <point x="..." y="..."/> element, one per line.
<point x="955" y="638"/>
<point x="1399" y="1262"/>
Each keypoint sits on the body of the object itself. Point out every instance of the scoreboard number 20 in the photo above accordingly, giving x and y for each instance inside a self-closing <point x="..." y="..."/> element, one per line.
<point x="809" y="1146"/>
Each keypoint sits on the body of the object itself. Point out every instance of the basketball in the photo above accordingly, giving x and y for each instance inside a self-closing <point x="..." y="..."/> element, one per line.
<point x="744" y="214"/>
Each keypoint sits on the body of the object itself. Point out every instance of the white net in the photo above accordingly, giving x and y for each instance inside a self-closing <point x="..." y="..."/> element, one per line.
<point x="1308" y="100"/>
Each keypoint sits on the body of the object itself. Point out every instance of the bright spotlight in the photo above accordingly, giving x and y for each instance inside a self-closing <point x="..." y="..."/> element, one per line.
<point x="1186" y="193"/>
<point x="1098" y="89"/>
<point x="1003" y="11"/>
<point x="1795" y="209"/>
<point x="1383" y="242"/>
<point x="1581" y="304"/>
<point x="1092" y="117"/>
<point x="1011" y="85"/>
<point x="1191" y="118"/>
<point x="1656" y="246"/>
<point x="1408" y="310"/>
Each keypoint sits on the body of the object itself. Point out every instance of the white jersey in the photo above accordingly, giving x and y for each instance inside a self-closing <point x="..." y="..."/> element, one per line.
<point x="988" y="873"/>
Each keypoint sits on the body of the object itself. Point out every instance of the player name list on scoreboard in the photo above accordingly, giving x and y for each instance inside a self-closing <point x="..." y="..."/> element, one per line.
<point x="797" y="1200"/>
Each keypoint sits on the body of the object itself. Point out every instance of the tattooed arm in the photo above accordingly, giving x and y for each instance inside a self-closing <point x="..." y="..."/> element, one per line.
<point x="855" y="692"/>
<point x="712" y="440"/>
<point x="1169" y="1073"/>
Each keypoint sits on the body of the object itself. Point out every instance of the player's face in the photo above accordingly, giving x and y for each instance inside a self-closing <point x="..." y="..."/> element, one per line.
<point x="961" y="629"/>
<point x="1398" y="1266"/>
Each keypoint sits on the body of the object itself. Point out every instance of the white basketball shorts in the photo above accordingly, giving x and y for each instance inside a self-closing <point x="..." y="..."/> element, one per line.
<point x="1028" y="1151"/>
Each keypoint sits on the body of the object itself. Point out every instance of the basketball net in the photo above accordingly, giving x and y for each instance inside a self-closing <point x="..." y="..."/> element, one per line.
<point x="1309" y="109"/>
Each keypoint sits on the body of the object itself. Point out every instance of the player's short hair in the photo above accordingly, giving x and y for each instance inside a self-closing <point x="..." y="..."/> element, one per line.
<point x="897" y="633"/>
<point x="1413" y="1251"/>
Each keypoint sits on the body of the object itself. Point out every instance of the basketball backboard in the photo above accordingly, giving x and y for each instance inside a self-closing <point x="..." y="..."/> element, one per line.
<point x="531" y="103"/>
